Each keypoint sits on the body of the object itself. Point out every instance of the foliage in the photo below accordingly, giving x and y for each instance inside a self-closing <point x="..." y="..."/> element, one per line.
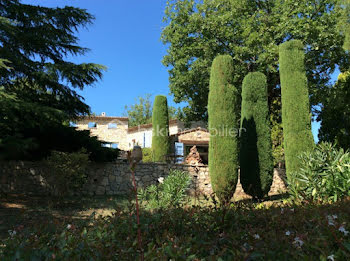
<point x="249" y="31"/>
<point x="38" y="84"/>
<point x="147" y="155"/>
<point x="344" y="21"/>
<point x="169" y="194"/>
<point x="223" y="125"/>
<point x="66" y="171"/>
<point x="141" y="111"/>
<point x="295" y="104"/>
<point x="160" y="133"/>
<point x="35" y="141"/>
<point x="277" y="133"/>
<point x="324" y="175"/>
<point x="335" y="114"/>
<point x="29" y="32"/>
<point x="194" y="233"/>
<point x="256" y="162"/>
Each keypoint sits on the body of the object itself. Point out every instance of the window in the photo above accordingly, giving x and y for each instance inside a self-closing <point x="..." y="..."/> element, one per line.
<point x="110" y="145"/>
<point x="112" y="126"/>
<point x="92" y="125"/>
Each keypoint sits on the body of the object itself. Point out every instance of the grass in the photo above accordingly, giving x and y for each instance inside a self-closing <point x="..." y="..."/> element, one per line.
<point x="272" y="230"/>
<point x="21" y="210"/>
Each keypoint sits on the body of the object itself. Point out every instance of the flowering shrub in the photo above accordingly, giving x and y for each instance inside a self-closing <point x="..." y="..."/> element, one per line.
<point x="324" y="175"/>
<point x="310" y="232"/>
<point x="170" y="192"/>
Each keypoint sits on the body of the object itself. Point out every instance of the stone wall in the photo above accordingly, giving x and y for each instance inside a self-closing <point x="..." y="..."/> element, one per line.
<point x="113" y="178"/>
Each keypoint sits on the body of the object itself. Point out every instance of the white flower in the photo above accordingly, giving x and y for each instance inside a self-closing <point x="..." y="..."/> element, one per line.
<point x="12" y="232"/>
<point x="331" y="257"/>
<point x="161" y="180"/>
<point x="246" y="247"/>
<point x="298" y="242"/>
<point x="331" y="220"/>
<point x="69" y="226"/>
<point x="292" y="209"/>
<point x="287" y="233"/>
<point x="256" y="236"/>
<point x="343" y="230"/>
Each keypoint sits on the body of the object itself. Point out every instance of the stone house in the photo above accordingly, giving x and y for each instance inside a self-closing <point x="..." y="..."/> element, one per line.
<point x="109" y="129"/>
<point x="116" y="133"/>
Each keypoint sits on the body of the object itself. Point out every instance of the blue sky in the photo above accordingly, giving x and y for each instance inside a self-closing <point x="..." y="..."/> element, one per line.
<point x="125" y="37"/>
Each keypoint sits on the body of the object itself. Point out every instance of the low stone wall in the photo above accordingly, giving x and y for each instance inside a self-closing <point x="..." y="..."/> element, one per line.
<point x="113" y="178"/>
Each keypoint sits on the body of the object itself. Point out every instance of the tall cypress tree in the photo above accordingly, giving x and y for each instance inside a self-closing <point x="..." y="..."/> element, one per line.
<point x="222" y="112"/>
<point x="256" y="161"/>
<point x="296" y="116"/>
<point x="160" y="134"/>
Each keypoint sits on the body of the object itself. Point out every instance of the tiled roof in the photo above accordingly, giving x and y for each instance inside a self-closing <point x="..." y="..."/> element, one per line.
<point x="192" y="130"/>
<point x="104" y="118"/>
<point x="148" y="125"/>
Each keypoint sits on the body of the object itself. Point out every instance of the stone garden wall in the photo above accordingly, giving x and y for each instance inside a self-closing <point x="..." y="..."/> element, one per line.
<point x="112" y="178"/>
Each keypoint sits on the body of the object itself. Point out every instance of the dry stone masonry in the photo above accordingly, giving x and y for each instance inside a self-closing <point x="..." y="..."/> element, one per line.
<point x="114" y="178"/>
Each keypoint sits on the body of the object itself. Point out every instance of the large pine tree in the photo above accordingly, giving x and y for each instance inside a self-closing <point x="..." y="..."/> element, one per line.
<point x="36" y="41"/>
<point x="38" y="83"/>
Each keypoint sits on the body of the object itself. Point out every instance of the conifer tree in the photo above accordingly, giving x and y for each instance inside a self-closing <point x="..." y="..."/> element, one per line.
<point x="160" y="133"/>
<point x="296" y="116"/>
<point x="222" y="112"/>
<point x="256" y="161"/>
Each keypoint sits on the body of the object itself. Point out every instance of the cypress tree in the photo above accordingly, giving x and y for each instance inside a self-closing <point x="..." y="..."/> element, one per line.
<point x="160" y="134"/>
<point x="256" y="161"/>
<point x="296" y="116"/>
<point x="222" y="113"/>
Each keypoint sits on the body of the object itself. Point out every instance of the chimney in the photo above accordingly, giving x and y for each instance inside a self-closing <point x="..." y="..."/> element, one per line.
<point x="103" y="114"/>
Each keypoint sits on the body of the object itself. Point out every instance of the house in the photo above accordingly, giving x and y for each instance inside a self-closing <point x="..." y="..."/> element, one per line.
<point x="116" y="133"/>
<point x="109" y="129"/>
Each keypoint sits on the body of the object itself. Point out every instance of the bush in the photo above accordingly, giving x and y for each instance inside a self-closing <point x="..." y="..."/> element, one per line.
<point x="324" y="175"/>
<point x="223" y="124"/>
<point x="295" y="104"/>
<point x="160" y="123"/>
<point x="147" y="155"/>
<point x="195" y="233"/>
<point x="36" y="143"/>
<point x="256" y="162"/>
<point x="171" y="193"/>
<point x="67" y="171"/>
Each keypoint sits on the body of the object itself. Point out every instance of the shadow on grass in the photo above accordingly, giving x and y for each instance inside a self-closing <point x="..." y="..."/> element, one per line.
<point x="21" y="210"/>
<point x="288" y="232"/>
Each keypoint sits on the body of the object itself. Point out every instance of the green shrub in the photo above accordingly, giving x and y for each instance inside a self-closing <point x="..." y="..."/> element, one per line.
<point x="256" y="162"/>
<point x="170" y="193"/>
<point x="160" y="133"/>
<point x="324" y="175"/>
<point x="296" y="116"/>
<point x="147" y="155"/>
<point x="66" y="171"/>
<point x="223" y="124"/>
<point x="192" y="233"/>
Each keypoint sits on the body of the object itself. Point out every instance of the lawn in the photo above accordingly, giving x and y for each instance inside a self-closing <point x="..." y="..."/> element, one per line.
<point x="103" y="228"/>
